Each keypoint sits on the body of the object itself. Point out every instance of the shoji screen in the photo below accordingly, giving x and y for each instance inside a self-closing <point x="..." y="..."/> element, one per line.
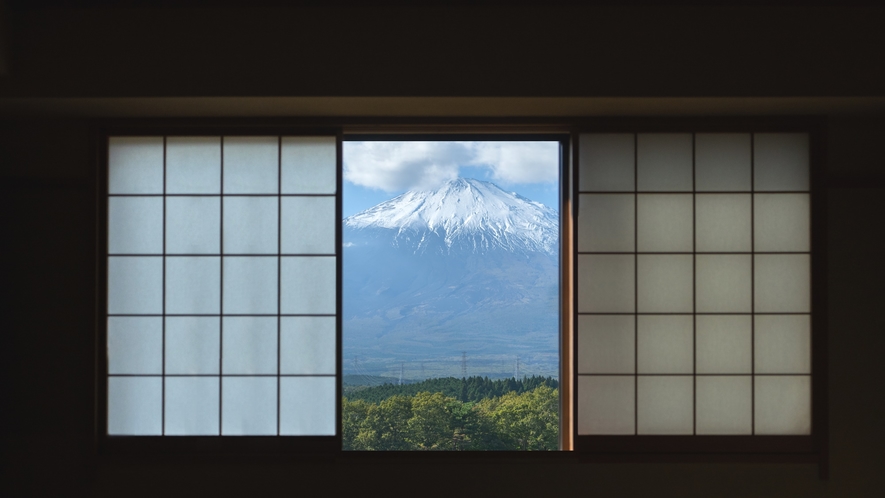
<point x="694" y="284"/>
<point x="222" y="286"/>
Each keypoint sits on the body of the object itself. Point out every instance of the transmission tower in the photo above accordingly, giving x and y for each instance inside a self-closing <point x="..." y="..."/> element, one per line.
<point x="464" y="364"/>
<point x="402" y="367"/>
<point x="516" y="370"/>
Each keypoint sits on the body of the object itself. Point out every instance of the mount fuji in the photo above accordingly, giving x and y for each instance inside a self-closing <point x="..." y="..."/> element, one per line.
<point x="466" y="270"/>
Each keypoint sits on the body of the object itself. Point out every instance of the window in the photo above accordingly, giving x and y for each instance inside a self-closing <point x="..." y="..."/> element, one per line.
<point x="688" y="264"/>
<point x="694" y="297"/>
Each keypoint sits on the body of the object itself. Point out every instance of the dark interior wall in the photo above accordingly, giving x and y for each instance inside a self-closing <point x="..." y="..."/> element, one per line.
<point x="48" y="211"/>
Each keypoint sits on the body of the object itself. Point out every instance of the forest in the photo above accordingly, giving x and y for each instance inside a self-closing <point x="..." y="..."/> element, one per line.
<point x="470" y="414"/>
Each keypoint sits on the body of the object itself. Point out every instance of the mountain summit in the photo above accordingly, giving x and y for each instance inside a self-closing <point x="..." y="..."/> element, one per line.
<point x="463" y="214"/>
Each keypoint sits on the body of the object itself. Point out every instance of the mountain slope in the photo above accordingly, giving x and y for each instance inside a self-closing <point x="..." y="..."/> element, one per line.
<point x="466" y="267"/>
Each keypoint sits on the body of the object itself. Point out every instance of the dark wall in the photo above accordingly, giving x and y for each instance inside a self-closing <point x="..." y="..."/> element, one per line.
<point x="48" y="208"/>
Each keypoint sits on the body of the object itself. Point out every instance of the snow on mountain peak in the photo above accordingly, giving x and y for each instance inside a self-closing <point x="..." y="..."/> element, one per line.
<point x="461" y="212"/>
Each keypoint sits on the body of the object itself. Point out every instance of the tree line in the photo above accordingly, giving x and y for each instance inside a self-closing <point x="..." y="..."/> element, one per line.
<point x="527" y="421"/>
<point x="465" y="389"/>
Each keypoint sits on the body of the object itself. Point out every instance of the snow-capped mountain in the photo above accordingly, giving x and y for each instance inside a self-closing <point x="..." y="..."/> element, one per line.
<point x="466" y="267"/>
<point x="463" y="214"/>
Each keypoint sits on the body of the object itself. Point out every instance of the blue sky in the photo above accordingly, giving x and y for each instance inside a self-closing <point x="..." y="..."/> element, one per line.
<point x="377" y="171"/>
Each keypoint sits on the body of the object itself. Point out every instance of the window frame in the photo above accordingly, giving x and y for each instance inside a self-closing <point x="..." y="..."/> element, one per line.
<point x="812" y="448"/>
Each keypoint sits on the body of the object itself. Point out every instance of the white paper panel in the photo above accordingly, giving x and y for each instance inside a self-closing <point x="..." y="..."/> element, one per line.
<point x="308" y="225"/>
<point x="607" y="162"/>
<point x="665" y="405"/>
<point x="192" y="345"/>
<point x="606" y="223"/>
<point x="250" y="345"/>
<point x="782" y="222"/>
<point x="135" y="345"/>
<point x="250" y="225"/>
<point x="135" y="406"/>
<point x="724" y="343"/>
<point x="783" y="283"/>
<point x="664" y="344"/>
<point x="248" y="406"/>
<point x="135" y="165"/>
<point x="606" y="404"/>
<point x="135" y="225"/>
<point x="193" y="225"/>
<point x="783" y="344"/>
<point x="309" y="165"/>
<point x="307" y="406"/>
<point x="606" y="283"/>
<point x="193" y="165"/>
<point x="724" y="405"/>
<point x="664" y="222"/>
<point x="193" y="285"/>
<point x="724" y="283"/>
<point x="783" y="404"/>
<point x="192" y="406"/>
<point x="308" y="285"/>
<point x="663" y="162"/>
<point x="606" y="343"/>
<point x="135" y="284"/>
<point x="665" y="283"/>
<point x="251" y="165"/>
<point x="250" y="284"/>
<point x="308" y="345"/>
<point x="723" y="222"/>
<point x="722" y="162"/>
<point x="781" y="161"/>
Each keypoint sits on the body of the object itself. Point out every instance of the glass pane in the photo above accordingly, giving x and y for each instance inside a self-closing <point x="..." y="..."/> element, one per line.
<point x="606" y="404"/>
<point x="250" y="345"/>
<point x="250" y="225"/>
<point x="724" y="343"/>
<point x="664" y="344"/>
<point x="309" y="165"/>
<point x="193" y="285"/>
<point x="250" y="285"/>
<point x="193" y="165"/>
<point x="607" y="162"/>
<point x="251" y="165"/>
<point x="135" y="406"/>
<point x="135" y="285"/>
<point x="663" y="162"/>
<point x="665" y="283"/>
<point x="308" y="345"/>
<point x="308" y="225"/>
<point x="193" y="225"/>
<point x="781" y="161"/>
<point x="307" y="406"/>
<point x="606" y="343"/>
<point x="248" y="406"/>
<point x="135" y="225"/>
<point x="606" y="283"/>
<point x="782" y="222"/>
<point x="783" y="344"/>
<point x="135" y="345"/>
<point x="192" y="406"/>
<point x="665" y="223"/>
<point x="308" y="285"/>
<point x="192" y="345"/>
<point x="135" y="165"/>
<point x="665" y="405"/>
<point x="723" y="222"/>
<point x="724" y="405"/>
<point x="722" y="162"/>
<point x="606" y="223"/>
<point x="783" y="283"/>
<point x="783" y="404"/>
<point x="724" y="283"/>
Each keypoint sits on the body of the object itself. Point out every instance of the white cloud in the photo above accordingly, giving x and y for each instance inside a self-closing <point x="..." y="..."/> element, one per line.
<point x="396" y="166"/>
